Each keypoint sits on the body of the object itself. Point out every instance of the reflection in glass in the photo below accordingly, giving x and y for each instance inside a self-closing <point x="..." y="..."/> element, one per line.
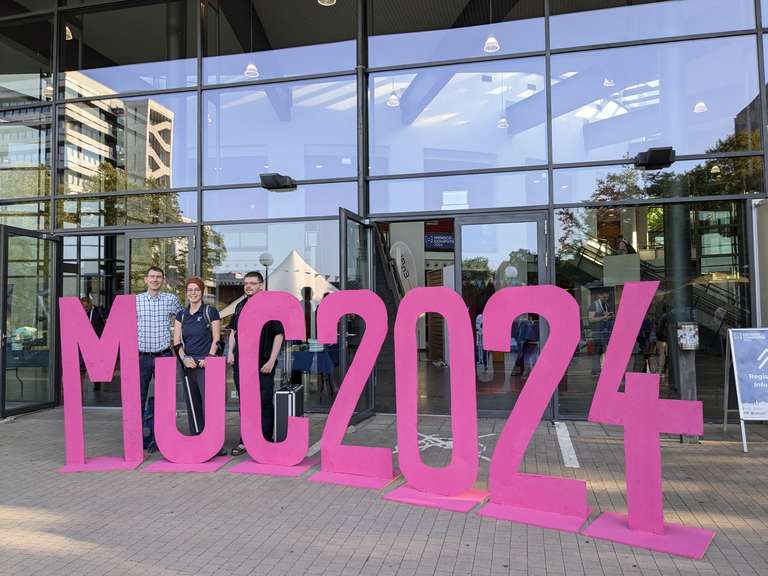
<point x="258" y="203"/>
<point x="450" y="193"/>
<point x="697" y="252"/>
<point x="159" y="208"/>
<point x="307" y="130"/>
<point x="25" y="152"/>
<point x="459" y="117"/>
<point x="25" y="61"/>
<point x="121" y="144"/>
<point x="496" y="256"/>
<point x="170" y="253"/>
<point x="305" y="263"/>
<point x="697" y="96"/>
<point x="260" y="39"/>
<point x="581" y="23"/>
<point x="139" y="47"/>
<point x="406" y="32"/>
<point x="712" y="177"/>
<point x="30" y="215"/>
<point x="27" y="332"/>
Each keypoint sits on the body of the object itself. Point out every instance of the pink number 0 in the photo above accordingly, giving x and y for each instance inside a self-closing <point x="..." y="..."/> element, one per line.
<point x="510" y="488"/>
<point x="460" y="474"/>
<point x="336" y="458"/>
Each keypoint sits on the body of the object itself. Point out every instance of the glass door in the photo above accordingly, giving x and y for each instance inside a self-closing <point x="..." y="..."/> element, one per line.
<point x="356" y="274"/>
<point x="175" y="251"/>
<point x="495" y="252"/>
<point x="28" y="268"/>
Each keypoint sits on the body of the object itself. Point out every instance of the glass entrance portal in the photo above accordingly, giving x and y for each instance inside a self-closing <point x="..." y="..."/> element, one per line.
<point x="28" y="324"/>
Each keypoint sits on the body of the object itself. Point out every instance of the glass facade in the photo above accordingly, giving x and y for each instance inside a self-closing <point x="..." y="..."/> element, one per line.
<point x="122" y="118"/>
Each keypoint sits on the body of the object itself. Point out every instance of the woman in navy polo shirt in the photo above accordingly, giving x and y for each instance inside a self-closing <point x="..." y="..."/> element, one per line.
<point x="197" y="329"/>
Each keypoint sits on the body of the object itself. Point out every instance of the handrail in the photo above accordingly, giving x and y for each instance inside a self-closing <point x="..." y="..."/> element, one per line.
<point x="388" y="264"/>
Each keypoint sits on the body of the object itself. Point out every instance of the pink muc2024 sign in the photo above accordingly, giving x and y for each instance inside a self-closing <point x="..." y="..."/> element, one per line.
<point x="547" y="501"/>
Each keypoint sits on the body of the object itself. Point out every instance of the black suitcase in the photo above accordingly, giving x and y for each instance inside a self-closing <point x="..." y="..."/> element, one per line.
<point x="289" y="401"/>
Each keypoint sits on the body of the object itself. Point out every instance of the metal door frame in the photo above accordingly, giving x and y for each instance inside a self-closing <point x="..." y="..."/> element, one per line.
<point x="189" y="231"/>
<point x="53" y="319"/>
<point x="344" y="217"/>
<point x="541" y="218"/>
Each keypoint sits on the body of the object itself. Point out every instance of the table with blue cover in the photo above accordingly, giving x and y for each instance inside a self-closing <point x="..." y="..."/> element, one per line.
<point x="321" y="362"/>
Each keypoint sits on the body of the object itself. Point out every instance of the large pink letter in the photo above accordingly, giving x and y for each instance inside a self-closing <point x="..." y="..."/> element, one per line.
<point x="635" y="300"/>
<point x="644" y="416"/>
<point x="189" y="453"/>
<point x="546" y="501"/>
<point x="277" y="456"/>
<point x="359" y="466"/>
<point x="449" y="487"/>
<point x="100" y="356"/>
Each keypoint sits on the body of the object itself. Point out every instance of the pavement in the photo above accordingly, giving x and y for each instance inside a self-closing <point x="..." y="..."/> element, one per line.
<point x="131" y="523"/>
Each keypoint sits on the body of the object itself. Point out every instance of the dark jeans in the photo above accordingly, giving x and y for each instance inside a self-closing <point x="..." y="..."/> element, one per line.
<point x="195" y="399"/>
<point x="146" y="372"/>
<point x="267" y="385"/>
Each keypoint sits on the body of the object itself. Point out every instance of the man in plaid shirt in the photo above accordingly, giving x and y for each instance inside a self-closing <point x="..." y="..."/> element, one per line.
<point x="155" y="310"/>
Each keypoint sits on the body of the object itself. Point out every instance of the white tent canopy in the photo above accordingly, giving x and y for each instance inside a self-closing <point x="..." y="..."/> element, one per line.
<point x="291" y="275"/>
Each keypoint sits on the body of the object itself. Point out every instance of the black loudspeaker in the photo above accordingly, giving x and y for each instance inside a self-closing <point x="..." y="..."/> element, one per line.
<point x="655" y="158"/>
<point x="275" y="181"/>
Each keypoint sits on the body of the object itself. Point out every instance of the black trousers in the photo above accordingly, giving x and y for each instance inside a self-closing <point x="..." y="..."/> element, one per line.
<point x="267" y="388"/>
<point x="194" y="397"/>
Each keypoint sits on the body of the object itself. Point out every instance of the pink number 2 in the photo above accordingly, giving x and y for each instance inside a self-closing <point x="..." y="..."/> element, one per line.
<point x="360" y="466"/>
<point x="547" y="501"/>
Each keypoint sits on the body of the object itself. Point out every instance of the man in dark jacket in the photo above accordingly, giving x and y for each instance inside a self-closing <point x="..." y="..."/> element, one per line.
<point x="272" y="336"/>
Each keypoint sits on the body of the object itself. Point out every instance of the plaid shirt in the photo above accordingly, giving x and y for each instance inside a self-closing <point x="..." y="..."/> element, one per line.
<point x="154" y="316"/>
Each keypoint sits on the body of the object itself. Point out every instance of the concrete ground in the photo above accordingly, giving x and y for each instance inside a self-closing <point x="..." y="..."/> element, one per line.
<point x="130" y="523"/>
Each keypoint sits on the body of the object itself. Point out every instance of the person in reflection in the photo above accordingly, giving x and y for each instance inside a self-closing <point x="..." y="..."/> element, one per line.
<point x="97" y="318"/>
<point x="155" y="310"/>
<point x="270" y="342"/>
<point x="196" y="334"/>
<point x="601" y="321"/>
<point x="96" y="315"/>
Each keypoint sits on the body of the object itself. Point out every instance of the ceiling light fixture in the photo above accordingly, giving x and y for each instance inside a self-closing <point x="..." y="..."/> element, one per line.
<point x="326" y="2"/>
<point x="394" y="100"/>
<point x="700" y="108"/>
<point x="491" y="43"/>
<point x="251" y="71"/>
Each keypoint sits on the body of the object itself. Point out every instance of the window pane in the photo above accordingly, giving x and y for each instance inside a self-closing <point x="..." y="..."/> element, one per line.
<point x="698" y="96"/>
<point x="32" y="215"/>
<point x="258" y="203"/>
<point x="306" y="130"/>
<point x="698" y="254"/>
<point x="250" y="39"/>
<point x="693" y="178"/>
<point x="165" y="208"/>
<point x="405" y="32"/>
<point x="577" y="23"/>
<point x="25" y="153"/>
<point x="115" y="145"/>
<point x="459" y="192"/>
<point x="462" y="117"/>
<point x="25" y="61"/>
<point x="144" y="47"/>
<point x="11" y="7"/>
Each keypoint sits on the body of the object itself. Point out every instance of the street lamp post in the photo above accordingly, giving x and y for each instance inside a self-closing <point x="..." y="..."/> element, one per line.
<point x="266" y="260"/>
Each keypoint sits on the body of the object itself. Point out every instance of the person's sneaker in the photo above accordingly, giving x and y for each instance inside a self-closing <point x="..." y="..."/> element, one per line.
<point x="238" y="450"/>
<point x="222" y="452"/>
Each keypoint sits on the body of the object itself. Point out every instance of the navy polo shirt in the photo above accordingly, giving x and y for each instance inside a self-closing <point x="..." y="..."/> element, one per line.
<point x="195" y="334"/>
